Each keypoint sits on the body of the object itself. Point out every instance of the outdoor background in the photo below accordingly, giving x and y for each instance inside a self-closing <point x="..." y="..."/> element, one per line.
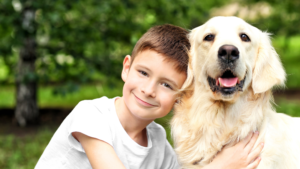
<point x="55" y="53"/>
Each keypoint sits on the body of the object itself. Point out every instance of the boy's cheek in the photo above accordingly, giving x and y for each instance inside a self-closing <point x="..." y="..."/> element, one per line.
<point x="134" y="82"/>
<point x="168" y="101"/>
<point x="169" y="96"/>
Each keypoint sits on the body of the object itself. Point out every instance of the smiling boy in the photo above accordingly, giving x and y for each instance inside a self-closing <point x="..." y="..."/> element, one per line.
<point x="121" y="132"/>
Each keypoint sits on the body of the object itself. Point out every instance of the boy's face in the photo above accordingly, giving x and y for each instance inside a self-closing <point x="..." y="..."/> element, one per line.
<point x="151" y="85"/>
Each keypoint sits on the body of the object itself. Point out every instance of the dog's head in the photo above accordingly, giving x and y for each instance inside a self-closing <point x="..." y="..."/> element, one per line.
<point x="228" y="55"/>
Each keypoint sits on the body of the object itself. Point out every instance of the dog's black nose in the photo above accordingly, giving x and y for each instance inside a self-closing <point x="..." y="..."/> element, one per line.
<point x="228" y="53"/>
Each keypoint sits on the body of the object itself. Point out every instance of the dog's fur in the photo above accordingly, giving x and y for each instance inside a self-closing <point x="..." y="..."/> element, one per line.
<point x="206" y="119"/>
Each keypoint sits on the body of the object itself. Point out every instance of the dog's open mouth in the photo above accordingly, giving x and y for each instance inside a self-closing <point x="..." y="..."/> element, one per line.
<point x="227" y="84"/>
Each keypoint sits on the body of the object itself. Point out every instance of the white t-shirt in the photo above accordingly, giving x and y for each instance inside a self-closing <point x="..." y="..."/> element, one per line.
<point x="98" y="119"/>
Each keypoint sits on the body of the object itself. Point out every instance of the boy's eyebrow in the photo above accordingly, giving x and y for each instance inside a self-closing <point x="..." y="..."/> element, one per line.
<point x="145" y="67"/>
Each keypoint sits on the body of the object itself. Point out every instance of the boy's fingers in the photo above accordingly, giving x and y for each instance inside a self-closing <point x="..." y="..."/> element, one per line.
<point x="251" y="143"/>
<point x="246" y="139"/>
<point x="254" y="164"/>
<point x="255" y="152"/>
<point x="229" y="145"/>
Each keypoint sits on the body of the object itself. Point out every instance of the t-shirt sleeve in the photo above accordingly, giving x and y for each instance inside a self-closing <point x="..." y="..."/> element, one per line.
<point x="88" y="120"/>
<point x="170" y="159"/>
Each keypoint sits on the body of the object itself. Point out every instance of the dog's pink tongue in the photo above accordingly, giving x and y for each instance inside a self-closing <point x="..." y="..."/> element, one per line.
<point x="228" y="82"/>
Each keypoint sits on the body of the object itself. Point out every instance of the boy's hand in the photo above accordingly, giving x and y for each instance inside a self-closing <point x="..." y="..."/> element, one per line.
<point x="239" y="156"/>
<point x="100" y="154"/>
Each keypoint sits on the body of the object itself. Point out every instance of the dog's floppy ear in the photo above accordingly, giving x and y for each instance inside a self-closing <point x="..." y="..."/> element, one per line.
<point x="190" y="72"/>
<point x="268" y="70"/>
<point x="190" y="77"/>
<point x="193" y="35"/>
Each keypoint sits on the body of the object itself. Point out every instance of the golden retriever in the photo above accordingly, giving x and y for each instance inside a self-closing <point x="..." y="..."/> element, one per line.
<point x="232" y="70"/>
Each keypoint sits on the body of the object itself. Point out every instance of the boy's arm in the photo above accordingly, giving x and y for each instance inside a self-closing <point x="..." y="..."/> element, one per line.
<point x="100" y="154"/>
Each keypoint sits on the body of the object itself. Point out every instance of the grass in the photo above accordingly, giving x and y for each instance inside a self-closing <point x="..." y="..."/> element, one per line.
<point x="23" y="153"/>
<point x="86" y="92"/>
<point x="47" y="99"/>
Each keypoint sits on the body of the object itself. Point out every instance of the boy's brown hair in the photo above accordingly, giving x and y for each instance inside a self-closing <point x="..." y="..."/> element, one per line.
<point x="168" y="40"/>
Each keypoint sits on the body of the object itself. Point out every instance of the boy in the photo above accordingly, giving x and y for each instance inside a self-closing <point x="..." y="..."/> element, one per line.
<point x="121" y="132"/>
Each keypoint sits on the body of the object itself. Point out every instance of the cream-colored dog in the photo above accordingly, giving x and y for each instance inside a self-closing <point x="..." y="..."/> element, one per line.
<point x="232" y="70"/>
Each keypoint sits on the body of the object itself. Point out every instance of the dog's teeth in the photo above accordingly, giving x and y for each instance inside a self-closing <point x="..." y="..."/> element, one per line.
<point x="220" y="82"/>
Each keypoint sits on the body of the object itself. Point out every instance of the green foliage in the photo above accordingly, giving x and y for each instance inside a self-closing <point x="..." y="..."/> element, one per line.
<point x="289" y="51"/>
<point x="3" y="70"/>
<point x="284" y="19"/>
<point x="7" y="97"/>
<point x="77" y="39"/>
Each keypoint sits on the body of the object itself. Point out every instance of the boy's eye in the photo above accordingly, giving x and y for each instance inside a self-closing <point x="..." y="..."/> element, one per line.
<point x="167" y="85"/>
<point x="143" y="73"/>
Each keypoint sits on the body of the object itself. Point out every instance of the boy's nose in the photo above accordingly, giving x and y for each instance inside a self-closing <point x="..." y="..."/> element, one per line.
<point x="149" y="89"/>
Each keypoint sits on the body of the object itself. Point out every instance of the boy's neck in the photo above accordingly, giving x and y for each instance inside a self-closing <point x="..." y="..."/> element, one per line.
<point x="135" y="127"/>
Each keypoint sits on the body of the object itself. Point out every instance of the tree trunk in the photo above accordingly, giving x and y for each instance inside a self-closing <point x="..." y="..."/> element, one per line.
<point x="26" y="81"/>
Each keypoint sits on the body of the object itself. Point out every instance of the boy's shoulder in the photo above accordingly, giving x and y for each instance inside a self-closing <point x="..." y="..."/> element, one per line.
<point x="100" y="100"/>
<point x="100" y="104"/>
<point x="159" y="135"/>
<point x="155" y="126"/>
<point x="157" y="131"/>
<point x="95" y="109"/>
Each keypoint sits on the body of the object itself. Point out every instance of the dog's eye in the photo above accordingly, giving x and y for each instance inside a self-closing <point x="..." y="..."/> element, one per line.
<point x="245" y="38"/>
<point x="209" y="37"/>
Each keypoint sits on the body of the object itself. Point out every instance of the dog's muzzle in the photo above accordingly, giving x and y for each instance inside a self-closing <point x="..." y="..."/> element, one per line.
<point x="228" y="82"/>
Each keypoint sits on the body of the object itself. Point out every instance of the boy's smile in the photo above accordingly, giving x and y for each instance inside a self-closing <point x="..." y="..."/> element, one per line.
<point x="143" y="103"/>
<point x="151" y="85"/>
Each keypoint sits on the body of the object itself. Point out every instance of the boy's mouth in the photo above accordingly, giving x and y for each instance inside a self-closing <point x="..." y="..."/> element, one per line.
<point x="144" y="103"/>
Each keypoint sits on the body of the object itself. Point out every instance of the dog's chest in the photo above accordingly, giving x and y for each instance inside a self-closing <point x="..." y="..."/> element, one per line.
<point x="281" y="147"/>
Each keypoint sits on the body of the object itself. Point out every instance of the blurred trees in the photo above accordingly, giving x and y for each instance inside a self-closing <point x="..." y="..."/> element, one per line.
<point x="73" y="42"/>
<point x="26" y="96"/>
<point x="284" y="18"/>
<point x="284" y="23"/>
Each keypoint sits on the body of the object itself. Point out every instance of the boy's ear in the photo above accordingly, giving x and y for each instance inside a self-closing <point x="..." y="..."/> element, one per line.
<point x="126" y="67"/>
